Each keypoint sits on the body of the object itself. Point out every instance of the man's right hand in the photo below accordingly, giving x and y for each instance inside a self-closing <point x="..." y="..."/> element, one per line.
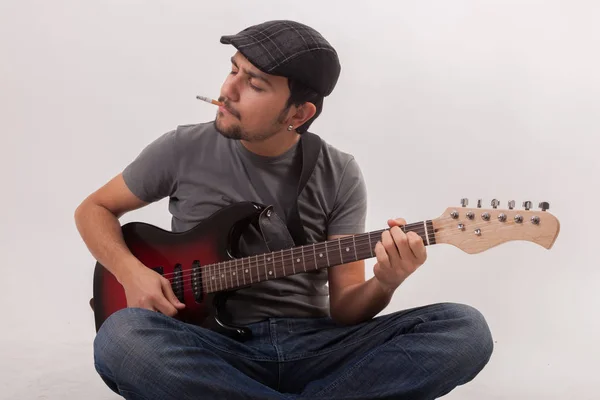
<point x="145" y="288"/>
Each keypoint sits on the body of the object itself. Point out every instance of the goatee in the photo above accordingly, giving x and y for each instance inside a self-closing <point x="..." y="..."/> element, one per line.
<point x="234" y="132"/>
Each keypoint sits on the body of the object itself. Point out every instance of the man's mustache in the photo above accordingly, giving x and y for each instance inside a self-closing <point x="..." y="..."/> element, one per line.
<point x="228" y="107"/>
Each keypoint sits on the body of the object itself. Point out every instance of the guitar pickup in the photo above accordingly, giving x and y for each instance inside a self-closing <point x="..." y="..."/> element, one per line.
<point x="197" y="281"/>
<point x="177" y="282"/>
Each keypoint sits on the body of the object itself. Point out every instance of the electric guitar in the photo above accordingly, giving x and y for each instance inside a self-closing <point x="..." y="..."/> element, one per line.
<point x="204" y="261"/>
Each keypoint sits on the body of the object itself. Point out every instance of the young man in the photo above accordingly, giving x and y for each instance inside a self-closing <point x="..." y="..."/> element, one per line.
<point x="314" y="335"/>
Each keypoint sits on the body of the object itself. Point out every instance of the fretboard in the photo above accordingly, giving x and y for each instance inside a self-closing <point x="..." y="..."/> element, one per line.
<point x="253" y="269"/>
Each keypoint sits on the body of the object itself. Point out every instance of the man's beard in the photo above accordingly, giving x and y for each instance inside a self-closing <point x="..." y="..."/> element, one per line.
<point x="236" y="132"/>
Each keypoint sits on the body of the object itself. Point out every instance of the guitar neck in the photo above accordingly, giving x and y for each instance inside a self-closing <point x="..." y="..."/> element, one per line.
<point x="263" y="267"/>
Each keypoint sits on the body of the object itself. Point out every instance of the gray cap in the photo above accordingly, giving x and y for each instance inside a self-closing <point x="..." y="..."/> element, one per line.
<point x="290" y="49"/>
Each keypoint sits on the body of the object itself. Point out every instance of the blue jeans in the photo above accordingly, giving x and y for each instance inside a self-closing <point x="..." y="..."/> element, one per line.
<point x="421" y="353"/>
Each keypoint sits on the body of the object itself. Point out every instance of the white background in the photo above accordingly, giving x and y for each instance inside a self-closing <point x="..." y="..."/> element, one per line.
<point x="437" y="100"/>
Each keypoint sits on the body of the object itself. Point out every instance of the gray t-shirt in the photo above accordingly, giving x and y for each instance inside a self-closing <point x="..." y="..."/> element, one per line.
<point x="201" y="171"/>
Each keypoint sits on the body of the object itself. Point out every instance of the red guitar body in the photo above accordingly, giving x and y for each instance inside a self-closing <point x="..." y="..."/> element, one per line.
<point x="175" y="255"/>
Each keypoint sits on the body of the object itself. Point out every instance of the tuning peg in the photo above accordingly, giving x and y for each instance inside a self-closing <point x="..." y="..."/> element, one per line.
<point x="527" y="205"/>
<point x="495" y="203"/>
<point x="479" y="203"/>
<point x="511" y="204"/>
<point x="544" y="205"/>
<point x="464" y="202"/>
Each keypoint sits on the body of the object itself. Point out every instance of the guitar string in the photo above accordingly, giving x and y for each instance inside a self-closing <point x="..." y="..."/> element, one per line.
<point x="252" y="262"/>
<point x="188" y="276"/>
<point x="363" y="236"/>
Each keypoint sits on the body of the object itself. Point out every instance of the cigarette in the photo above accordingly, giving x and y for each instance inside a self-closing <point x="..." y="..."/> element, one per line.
<point x="208" y="100"/>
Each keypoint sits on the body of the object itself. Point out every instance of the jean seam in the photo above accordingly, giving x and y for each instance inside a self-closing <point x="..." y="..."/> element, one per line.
<point x="317" y="354"/>
<point x="273" y="332"/>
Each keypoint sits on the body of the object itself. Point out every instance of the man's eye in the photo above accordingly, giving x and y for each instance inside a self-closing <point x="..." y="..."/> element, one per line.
<point x="256" y="88"/>
<point x="233" y="72"/>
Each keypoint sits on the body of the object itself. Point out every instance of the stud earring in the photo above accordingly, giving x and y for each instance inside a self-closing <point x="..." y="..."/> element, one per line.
<point x="290" y="127"/>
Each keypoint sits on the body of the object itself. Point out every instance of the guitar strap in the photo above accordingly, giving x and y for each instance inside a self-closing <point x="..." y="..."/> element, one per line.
<point x="309" y="148"/>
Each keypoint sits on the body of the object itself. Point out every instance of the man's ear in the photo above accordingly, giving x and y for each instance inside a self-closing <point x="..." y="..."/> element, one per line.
<point x="303" y="113"/>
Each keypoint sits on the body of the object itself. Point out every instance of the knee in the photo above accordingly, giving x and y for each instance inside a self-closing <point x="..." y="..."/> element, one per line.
<point x="472" y="332"/>
<point x="120" y="336"/>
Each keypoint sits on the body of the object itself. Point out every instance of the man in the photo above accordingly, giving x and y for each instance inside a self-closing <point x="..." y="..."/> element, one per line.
<point x="314" y="334"/>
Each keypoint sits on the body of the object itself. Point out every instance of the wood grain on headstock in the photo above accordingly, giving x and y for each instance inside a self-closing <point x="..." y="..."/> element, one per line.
<point x="494" y="231"/>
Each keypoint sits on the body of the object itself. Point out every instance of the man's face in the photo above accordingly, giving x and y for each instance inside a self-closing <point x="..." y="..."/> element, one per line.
<point x="254" y="103"/>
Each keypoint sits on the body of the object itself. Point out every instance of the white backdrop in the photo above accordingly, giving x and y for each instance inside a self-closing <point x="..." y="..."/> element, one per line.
<point x="437" y="100"/>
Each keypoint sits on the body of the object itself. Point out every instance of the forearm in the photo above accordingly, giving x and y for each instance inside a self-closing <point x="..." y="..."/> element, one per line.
<point x="101" y="232"/>
<point x="360" y="302"/>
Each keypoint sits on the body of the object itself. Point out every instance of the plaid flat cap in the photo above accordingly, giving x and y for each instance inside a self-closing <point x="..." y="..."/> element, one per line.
<point x="290" y="49"/>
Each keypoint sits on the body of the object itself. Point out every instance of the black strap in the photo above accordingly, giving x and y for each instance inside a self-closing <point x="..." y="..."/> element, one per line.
<point x="309" y="148"/>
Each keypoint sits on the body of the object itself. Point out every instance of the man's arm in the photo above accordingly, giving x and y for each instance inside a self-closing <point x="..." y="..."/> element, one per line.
<point x="149" y="178"/>
<point x="352" y="299"/>
<point x="97" y="219"/>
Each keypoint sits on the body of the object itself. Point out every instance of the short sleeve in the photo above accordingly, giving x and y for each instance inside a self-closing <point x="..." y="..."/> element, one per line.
<point x="153" y="174"/>
<point x="349" y="212"/>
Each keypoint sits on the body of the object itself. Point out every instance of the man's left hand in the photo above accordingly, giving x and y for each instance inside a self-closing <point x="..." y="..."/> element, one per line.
<point x="398" y="255"/>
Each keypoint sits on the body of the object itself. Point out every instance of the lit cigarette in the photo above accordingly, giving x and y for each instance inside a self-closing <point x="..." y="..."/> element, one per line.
<point x="206" y="99"/>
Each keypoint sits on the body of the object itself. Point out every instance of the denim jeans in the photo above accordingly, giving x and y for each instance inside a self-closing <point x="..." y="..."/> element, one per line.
<point x="421" y="353"/>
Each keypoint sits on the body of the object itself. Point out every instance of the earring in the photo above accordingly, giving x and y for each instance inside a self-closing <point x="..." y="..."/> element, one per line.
<point x="290" y="127"/>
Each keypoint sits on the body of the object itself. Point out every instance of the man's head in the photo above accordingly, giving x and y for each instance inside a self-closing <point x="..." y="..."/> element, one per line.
<point x="279" y="76"/>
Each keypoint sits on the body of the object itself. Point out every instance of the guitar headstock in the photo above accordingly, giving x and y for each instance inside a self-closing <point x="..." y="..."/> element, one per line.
<point x="474" y="230"/>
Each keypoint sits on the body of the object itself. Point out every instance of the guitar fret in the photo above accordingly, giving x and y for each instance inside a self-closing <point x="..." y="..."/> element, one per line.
<point x="265" y="264"/>
<point x="303" y="260"/>
<point x="246" y="271"/>
<point x="214" y="279"/>
<point x="354" y="244"/>
<point x="208" y="280"/>
<point x="235" y="272"/>
<point x="274" y="267"/>
<point x="370" y="244"/>
<point x="341" y="256"/>
<point x="257" y="269"/>
<point x="293" y="263"/>
<point x="227" y="272"/>
<point x="315" y="256"/>
<point x="230" y="273"/>
<point x="221" y="276"/>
